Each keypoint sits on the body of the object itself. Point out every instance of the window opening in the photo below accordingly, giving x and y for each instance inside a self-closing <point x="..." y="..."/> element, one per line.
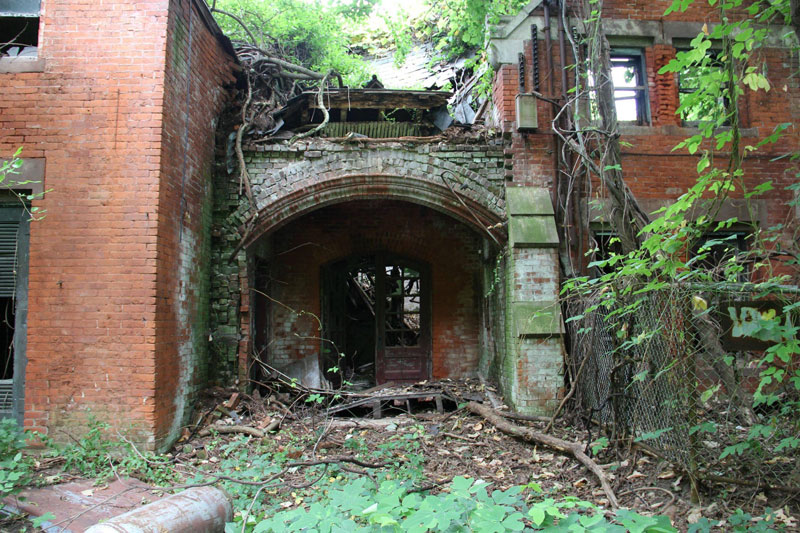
<point x="630" y="88"/>
<point x="359" y="340"/>
<point x="607" y="245"/>
<point x="703" y="106"/>
<point x="402" y="306"/>
<point x="19" y="28"/>
<point x="720" y="254"/>
<point x="13" y="305"/>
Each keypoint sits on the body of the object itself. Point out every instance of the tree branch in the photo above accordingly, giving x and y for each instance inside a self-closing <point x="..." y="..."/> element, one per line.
<point x="574" y="449"/>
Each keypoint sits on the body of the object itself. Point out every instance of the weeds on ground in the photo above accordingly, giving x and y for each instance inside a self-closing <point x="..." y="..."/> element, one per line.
<point x="97" y="455"/>
<point x="15" y="468"/>
<point x="356" y="505"/>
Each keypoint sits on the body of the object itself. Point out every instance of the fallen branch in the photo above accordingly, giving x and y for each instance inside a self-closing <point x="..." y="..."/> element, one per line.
<point x="489" y="394"/>
<point x="247" y="430"/>
<point x="746" y="483"/>
<point x="524" y="418"/>
<point x="572" y="448"/>
<point x="430" y="486"/>
<point x="458" y="437"/>
<point x="668" y="492"/>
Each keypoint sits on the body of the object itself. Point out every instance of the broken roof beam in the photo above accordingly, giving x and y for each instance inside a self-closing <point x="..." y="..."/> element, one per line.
<point x="380" y="99"/>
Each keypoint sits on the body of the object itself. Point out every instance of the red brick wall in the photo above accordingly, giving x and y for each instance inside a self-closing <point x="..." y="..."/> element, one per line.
<point x="453" y="251"/>
<point x="652" y="170"/>
<point x="654" y="10"/>
<point x="95" y="115"/>
<point x="663" y="88"/>
<point x="196" y="70"/>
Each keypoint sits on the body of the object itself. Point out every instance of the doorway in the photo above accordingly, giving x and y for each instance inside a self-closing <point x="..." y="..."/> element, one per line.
<point x="376" y="320"/>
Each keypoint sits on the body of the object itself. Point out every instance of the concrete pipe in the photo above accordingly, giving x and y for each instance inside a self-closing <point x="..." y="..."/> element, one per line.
<point x="195" y="510"/>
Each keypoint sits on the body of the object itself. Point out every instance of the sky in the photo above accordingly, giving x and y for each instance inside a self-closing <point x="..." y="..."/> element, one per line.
<point x="394" y="7"/>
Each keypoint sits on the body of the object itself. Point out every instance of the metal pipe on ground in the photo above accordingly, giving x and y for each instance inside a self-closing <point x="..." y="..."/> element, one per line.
<point x="195" y="510"/>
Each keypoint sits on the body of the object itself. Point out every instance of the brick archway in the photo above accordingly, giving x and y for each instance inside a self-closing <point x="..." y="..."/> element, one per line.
<point x="394" y="174"/>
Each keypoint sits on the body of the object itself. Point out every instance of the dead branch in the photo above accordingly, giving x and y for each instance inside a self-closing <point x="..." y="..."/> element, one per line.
<point x="325" y="115"/>
<point x="299" y="70"/>
<point x="457" y="437"/>
<point x="238" y="20"/>
<point x="244" y="177"/>
<point x="430" y="486"/>
<point x="668" y="492"/>
<point x="247" y="430"/>
<point x="489" y="394"/>
<point x="572" y="448"/>
<point x="568" y="396"/>
<point x="524" y="418"/>
<point x="746" y="483"/>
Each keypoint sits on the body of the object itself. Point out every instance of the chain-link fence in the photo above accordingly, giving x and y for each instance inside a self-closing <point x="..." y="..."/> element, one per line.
<point x="676" y="369"/>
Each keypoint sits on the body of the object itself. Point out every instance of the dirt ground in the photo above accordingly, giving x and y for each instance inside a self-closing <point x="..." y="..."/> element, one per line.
<point x="242" y="436"/>
<point x="456" y="442"/>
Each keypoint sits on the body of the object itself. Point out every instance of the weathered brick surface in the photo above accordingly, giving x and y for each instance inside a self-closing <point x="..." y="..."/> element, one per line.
<point x="287" y="185"/>
<point x="97" y="115"/>
<point x="197" y="70"/>
<point x="531" y="371"/>
<point x="651" y="168"/>
<point x="453" y="251"/>
<point x="474" y="170"/>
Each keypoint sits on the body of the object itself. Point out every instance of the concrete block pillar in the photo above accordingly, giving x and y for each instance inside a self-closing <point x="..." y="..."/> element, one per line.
<point x="531" y="375"/>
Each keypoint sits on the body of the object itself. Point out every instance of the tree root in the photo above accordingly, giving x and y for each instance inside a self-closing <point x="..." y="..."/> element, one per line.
<point x="572" y="448"/>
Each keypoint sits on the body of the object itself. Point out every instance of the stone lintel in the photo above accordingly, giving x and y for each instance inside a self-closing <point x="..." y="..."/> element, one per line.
<point x="533" y="232"/>
<point x="528" y="201"/>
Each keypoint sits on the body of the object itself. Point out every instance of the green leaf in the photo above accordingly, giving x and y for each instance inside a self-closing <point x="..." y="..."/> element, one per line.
<point x="652" y="434"/>
<point x="537" y="515"/>
<point x="39" y="521"/>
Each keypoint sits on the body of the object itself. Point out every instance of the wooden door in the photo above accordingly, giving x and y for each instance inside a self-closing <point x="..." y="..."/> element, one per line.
<point x="403" y="322"/>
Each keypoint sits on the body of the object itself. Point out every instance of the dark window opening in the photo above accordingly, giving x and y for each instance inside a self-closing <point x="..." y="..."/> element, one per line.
<point x="19" y="36"/>
<point x="376" y="320"/>
<point x="359" y="339"/>
<point x="707" y="105"/>
<point x="402" y="306"/>
<point x="19" y="28"/>
<point x="607" y="245"/>
<point x="13" y="279"/>
<point x="720" y="254"/>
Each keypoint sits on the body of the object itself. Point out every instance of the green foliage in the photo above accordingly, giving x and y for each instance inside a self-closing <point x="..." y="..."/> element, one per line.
<point x="720" y="66"/>
<point x="99" y="456"/>
<point x="11" y="167"/>
<point x="460" y="25"/>
<point x="468" y="505"/>
<point x="308" y="33"/>
<point x="15" y="468"/>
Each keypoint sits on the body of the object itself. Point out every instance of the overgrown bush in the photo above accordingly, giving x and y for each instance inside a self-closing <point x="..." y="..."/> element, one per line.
<point x="15" y="468"/>
<point x="98" y="455"/>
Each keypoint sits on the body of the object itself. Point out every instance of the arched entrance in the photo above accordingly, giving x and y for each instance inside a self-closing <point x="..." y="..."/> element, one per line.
<point x="394" y="286"/>
<point x="377" y="318"/>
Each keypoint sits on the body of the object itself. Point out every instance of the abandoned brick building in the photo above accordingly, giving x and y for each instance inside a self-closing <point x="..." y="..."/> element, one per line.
<point x="417" y="251"/>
